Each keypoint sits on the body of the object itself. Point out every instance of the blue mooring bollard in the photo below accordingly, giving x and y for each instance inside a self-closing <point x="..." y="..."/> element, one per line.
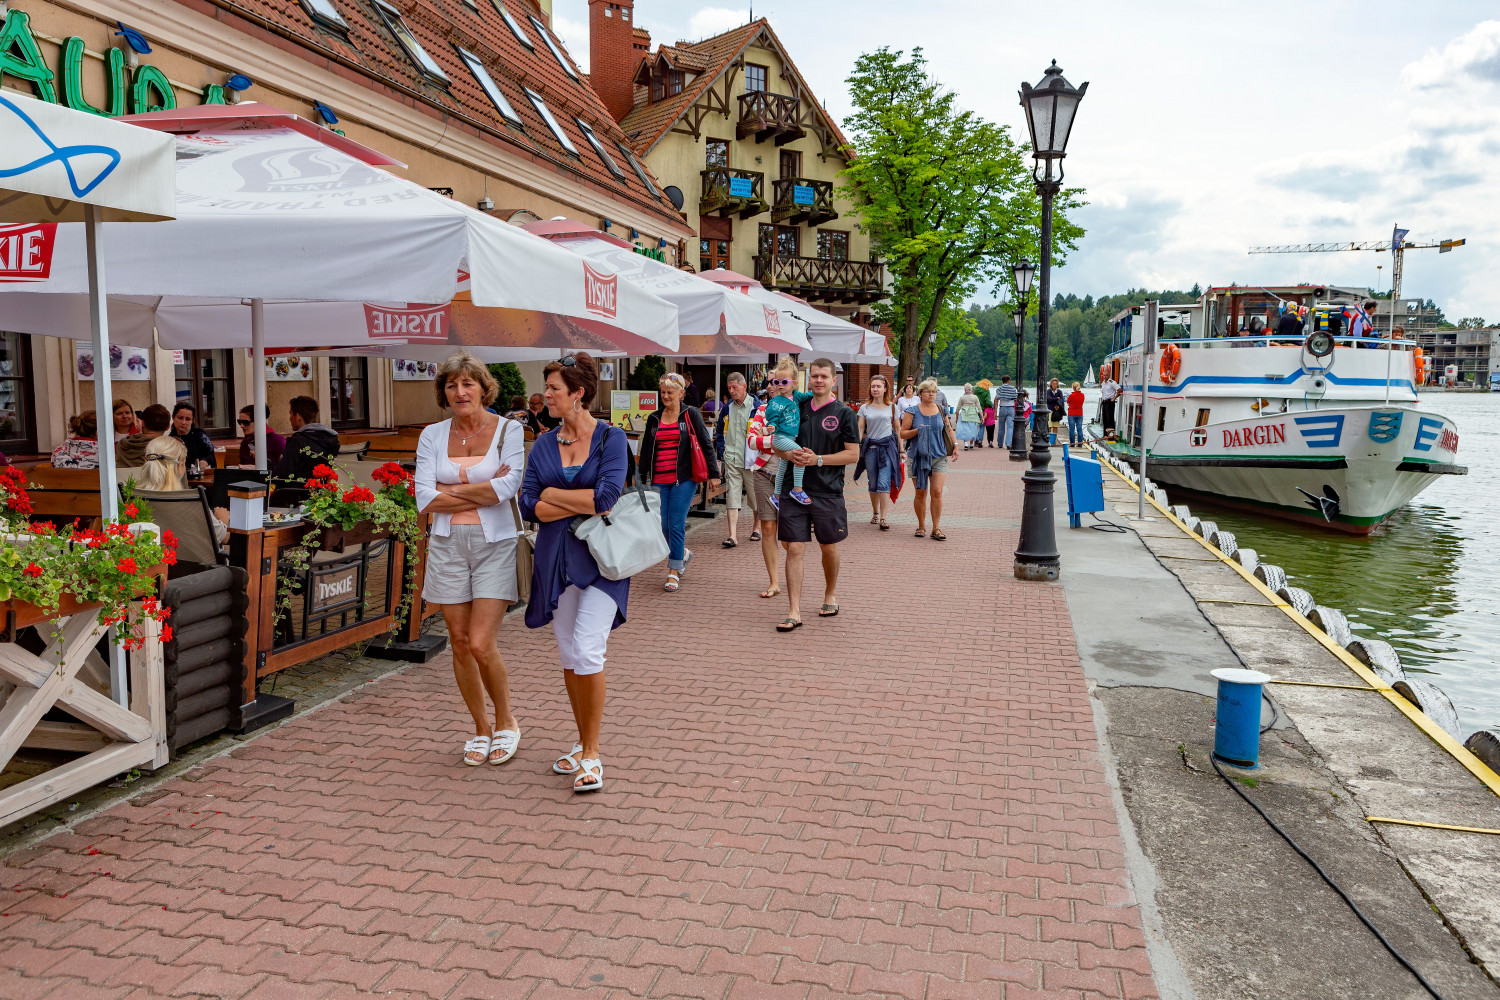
<point x="1237" y="716"/>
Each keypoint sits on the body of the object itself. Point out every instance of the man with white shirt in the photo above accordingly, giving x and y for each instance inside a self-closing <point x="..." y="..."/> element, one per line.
<point x="1109" y="390"/>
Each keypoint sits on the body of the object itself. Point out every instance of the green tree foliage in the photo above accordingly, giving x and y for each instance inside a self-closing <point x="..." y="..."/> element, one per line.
<point x="946" y="197"/>
<point x="1472" y="323"/>
<point x="646" y="375"/>
<point x="511" y="384"/>
<point x="1080" y="336"/>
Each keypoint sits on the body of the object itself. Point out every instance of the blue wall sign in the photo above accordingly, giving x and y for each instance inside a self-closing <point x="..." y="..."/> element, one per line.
<point x="741" y="187"/>
<point x="803" y="194"/>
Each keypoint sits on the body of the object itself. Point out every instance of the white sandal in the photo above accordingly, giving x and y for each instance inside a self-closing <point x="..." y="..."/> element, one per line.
<point x="590" y="768"/>
<point x="480" y="747"/>
<point x="570" y="757"/>
<point x="505" y="743"/>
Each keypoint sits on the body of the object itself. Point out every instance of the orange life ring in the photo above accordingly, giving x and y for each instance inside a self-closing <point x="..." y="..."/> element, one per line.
<point x="1420" y="364"/>
<point x="1171" y="363"/>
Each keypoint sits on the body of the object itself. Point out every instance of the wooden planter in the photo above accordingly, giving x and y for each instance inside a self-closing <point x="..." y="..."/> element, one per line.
<point x="337" y="539"/>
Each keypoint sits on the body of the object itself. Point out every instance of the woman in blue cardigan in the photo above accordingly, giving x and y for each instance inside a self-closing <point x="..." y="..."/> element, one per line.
<point x="577" y="469"/>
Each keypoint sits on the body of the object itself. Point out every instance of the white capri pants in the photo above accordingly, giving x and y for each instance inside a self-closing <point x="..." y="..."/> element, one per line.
<point x="582" y="623"/>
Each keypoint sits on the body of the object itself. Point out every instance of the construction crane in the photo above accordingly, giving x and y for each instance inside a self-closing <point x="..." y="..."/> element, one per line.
<point x="1398" y="246"/>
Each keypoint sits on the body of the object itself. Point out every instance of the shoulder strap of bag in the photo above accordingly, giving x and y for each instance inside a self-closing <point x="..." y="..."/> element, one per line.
<point x="515" y="508"/>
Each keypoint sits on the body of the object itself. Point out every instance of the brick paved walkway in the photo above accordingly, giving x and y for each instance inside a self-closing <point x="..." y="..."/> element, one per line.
<point x="903" y="801"/>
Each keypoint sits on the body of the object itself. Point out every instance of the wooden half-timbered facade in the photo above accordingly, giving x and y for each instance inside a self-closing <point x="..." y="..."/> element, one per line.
<point x="745" y="149"/>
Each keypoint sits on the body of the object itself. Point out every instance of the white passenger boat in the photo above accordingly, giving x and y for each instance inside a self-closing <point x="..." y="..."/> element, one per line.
<point x="1317" y="427"/>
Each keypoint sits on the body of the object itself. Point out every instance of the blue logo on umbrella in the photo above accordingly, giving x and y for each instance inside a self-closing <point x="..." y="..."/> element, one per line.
<point x="66" y="155"/>
<point x="1384" y="426"/>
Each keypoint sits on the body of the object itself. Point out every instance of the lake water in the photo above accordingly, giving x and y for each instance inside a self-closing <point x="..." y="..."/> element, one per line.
<point x="1423" y="581"/>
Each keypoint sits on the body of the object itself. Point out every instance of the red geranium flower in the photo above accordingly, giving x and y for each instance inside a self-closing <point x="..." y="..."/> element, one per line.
<point x="126" y="565"/>
<point x="19" y="502"/>
<point x="325" y="472"/>
<point x="168" y="539"/>
<point x="131" y="510"/>
<point x="390" y="474"/>
<point x="358" y="494"/>
<point x="166" y="633"/>
<point x="32" y="570"/>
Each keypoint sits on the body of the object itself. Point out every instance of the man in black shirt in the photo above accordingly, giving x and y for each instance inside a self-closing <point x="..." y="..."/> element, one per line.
<point x="541" y="418"/>
<point x="829" y="439"/>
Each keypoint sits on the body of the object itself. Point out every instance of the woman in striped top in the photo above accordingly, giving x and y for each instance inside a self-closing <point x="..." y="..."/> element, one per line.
<point x="666" y="463"/>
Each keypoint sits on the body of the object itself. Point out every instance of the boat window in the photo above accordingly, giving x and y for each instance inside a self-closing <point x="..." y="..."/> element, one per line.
<point x="1161" y="419"/>
<point x="1202" y="417"/>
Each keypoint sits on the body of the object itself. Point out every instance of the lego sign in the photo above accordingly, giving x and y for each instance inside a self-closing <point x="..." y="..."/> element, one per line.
<point x="26" y="252"/>
<point x="629" y="410"/>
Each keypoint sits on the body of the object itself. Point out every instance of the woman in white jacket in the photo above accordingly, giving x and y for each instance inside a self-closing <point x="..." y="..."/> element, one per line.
<point x="469" y="470"/>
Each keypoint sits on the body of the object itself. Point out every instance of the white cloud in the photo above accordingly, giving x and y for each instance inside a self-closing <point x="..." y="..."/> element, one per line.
<point x="713" y="20"/>
<point x="1476" y="53"/>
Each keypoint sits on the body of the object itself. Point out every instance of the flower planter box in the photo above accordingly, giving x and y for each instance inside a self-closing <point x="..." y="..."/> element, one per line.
<point x="16" y="615"/>
<point x="337" y="539"/>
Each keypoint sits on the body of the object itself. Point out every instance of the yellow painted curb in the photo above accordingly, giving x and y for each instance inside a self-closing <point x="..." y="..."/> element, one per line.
<point x="1431" y="826"/>
<point x="1436" y="733"/>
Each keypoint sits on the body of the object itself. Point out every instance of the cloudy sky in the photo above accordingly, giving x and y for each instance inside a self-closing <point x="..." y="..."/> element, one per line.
<point x="1208" y="128"/>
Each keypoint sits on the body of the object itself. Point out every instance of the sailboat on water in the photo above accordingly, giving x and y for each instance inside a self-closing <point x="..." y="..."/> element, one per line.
<point x="1090" y="382"/>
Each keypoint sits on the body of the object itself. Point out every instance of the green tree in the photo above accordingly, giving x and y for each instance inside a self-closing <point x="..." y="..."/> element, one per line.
<point x="511" y="384"/>
<point x="945" y="195"/>
<point x="646" y="375"/>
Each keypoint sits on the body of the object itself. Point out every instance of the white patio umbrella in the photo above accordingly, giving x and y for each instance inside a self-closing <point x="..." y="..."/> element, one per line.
<point x="712" y="318"/>
<point x="59" y="166"/>
<point x="295" y="221"/>
<point x="62" y="166"/>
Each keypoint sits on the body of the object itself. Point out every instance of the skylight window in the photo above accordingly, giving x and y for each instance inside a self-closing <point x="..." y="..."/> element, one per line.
<point x="510" y="22"/>
<point x="557" y="53"/>
<point x="609" y="161"/>
<point x="397" y="24"/>
<point x="542" y="109"/>
<point x="324" y="12"/>
<point x="640" y="171"/>
<point x="491" y="88"/>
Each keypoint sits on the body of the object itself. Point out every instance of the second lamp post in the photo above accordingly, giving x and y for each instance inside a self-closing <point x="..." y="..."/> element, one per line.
<point x="1050" y="107"/>
<point x="1023" y="272"/>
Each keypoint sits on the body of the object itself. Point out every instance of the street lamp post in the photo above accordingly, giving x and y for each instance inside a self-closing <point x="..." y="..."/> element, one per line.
<point x="1023" y="273"/>
<point x="1050" y="108"/>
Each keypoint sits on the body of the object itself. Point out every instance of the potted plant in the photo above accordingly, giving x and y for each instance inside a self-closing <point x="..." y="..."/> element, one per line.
<point x="338" y="518"/>
<point x="47" y="574"/>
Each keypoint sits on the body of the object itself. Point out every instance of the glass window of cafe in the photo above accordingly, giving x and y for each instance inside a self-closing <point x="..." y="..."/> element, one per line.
<point x="206" y="379"/>
<point x="348" y="393"/>
<point x="17" y="413"/>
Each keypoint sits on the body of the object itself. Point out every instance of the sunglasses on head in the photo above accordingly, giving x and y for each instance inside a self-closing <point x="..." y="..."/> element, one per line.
<point x="779" y="381"/>
<point x="567" y="361"/>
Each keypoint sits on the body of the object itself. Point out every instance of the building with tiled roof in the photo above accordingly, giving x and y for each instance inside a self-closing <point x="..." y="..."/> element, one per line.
<point x="745" y="149"/>
<point x="478" y="97"/>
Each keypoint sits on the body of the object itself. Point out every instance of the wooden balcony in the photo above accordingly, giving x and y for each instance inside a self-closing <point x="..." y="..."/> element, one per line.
<point x="769" y="116"/>
<point x="821" y="279"/>
<point x="731" y="191"/>
<point x="800" y="200"/>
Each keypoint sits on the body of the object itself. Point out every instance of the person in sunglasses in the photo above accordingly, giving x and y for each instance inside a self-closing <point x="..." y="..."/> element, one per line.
<point x="784" y="419"/>
<point x="275" y="443"/>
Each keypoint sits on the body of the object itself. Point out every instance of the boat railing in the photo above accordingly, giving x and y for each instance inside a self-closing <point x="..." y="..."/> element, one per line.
<point x="1366" y="343"/>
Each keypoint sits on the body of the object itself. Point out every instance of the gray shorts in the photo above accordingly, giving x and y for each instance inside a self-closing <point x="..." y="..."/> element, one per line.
<point x="939" y="465"/>
<point x="464" y="567"/>
<point x="765" y="485"/>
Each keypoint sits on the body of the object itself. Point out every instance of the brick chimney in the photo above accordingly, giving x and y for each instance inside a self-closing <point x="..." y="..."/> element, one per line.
<point x="612" y="54"/>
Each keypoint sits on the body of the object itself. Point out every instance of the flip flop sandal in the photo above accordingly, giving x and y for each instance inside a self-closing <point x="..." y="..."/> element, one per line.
<point x="571" y="757"/>
<point x="828" y="611"/>
<point x="504" y="744"/>
<point x="674" y="580"/>
<point x="771" y="592"/>
<point x="884" y="526"/>
<point x="729" y="543"/>
<point x="938" y="536"/>
<point x="755" y="536"/>
<point x="591" y="772"/>
<point x="789" y="624"/>
<point x="875" y="519"/>
<point x="476" y="750"/>
<point x="921" y="533"/>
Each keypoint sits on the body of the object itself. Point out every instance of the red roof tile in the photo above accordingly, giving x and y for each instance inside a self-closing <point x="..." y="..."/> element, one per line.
<point x="369" y="49"/>
<point x="647" y="122"/>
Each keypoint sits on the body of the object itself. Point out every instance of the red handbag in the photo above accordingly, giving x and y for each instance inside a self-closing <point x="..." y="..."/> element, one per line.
<point x="898" y="479"/>
<point x="700" y="464"/>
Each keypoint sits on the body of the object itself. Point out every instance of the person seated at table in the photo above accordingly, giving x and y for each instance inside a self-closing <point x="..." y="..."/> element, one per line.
<point x="541" y="418"/>
<point x="312" y="444"/>
<point x="163" y="472"/>
<point x="275" y="443"/>
<point x="124" y="418"/>
<point x="81" y="449"/>
<point x="131" y="453"/>
<point x="200" y="450"/>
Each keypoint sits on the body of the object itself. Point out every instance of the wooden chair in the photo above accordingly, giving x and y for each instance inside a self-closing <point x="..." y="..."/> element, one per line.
<point x="187" y="515"/>
<point x="353" y="451"/>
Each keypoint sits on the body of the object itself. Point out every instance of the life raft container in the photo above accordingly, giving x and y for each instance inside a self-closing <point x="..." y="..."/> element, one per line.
<point x="1171" y="363"/>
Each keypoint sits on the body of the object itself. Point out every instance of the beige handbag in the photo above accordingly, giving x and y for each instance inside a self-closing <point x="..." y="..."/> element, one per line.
<point x="525" y="541"/>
